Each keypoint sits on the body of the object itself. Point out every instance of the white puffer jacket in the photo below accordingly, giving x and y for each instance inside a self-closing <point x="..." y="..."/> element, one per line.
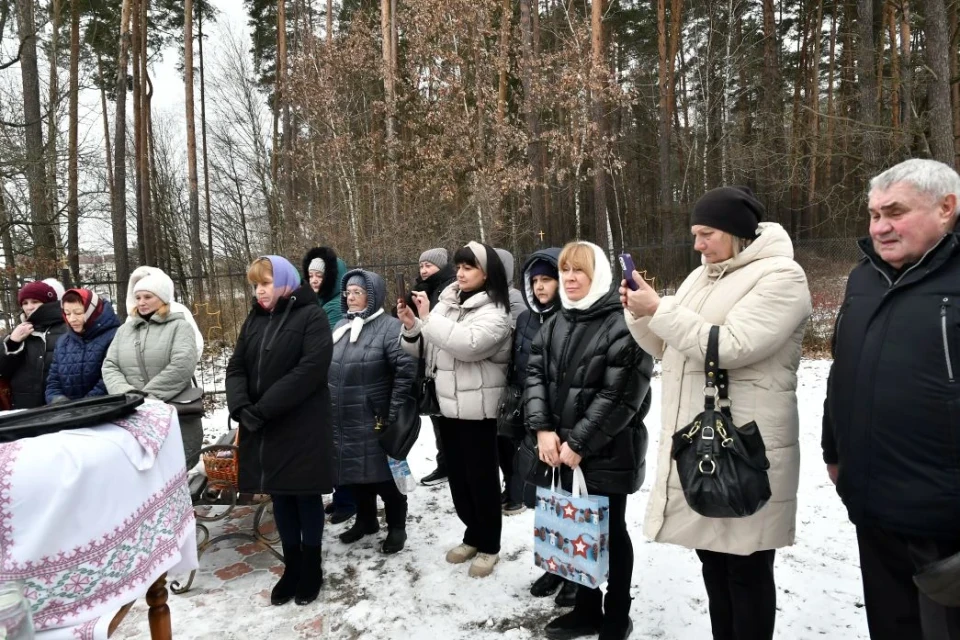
<point x="467" y="350"/>
<point x="761" y="302"/>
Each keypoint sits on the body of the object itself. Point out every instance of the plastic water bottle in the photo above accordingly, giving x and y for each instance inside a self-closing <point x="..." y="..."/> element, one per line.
<point x="16" y="623"/>
<point x="402" y="475"/>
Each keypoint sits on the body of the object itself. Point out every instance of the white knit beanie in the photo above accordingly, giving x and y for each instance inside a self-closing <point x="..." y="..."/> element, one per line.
<point x="318" y="265"/>
<point x="157" y="284"/>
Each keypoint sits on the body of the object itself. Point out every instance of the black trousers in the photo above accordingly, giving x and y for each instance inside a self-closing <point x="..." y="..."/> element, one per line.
<point x="895" y="607"/>
<point x="441" y="458"/>
<point x="507" y="454"/>
<point x="299" y="519"/>
<point x="742" y="593"/>
<point x="394" y="504"/>
<point x="617" y="604"/>
<point x="471" y="451"/>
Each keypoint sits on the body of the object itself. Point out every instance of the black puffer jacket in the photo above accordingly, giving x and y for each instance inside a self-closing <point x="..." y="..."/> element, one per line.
<point x="601" y="418"/>
<point x="892" y="414"/>
<point x="433" y="285"/>
<point x="369" y="379"/>
<point x="26" y="365"/>
<point x="279" y="370"/>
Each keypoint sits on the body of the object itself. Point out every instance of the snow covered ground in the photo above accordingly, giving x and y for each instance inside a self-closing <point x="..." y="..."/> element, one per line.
<point x="417" y="595"/>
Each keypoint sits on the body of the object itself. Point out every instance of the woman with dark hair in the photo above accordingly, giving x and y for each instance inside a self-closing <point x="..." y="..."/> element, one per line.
<point x="589" y="413"/>
<point x="277" y="391"/>
<point x="76" y="371"/>
<point x="467" y="349"/>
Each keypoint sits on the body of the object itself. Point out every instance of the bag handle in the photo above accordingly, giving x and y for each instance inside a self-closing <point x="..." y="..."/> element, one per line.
<point x="715" y="385"/>
<point x="579" y="484"/>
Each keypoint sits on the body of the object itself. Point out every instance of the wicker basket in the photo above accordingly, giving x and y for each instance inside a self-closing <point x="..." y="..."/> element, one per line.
<point x="222" y="471"/>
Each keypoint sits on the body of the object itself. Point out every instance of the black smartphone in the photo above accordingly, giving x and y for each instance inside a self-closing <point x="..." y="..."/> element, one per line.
<point x="626" y="263"/>
<point x="401" y="287"/>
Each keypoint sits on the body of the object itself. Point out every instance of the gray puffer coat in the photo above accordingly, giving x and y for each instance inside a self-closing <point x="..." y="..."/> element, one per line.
<point x="370" y="377"/>
<point x="169" y="349"/>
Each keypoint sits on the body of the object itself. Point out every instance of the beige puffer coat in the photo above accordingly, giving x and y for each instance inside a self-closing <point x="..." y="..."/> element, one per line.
<point x="468" y="346"/>
<point x="761" y="302"/>
<point x="169" y="348"/>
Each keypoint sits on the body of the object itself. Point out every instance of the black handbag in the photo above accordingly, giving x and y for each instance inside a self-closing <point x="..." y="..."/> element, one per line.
<point x="426" y="388"/>
<point x="722" y="468"/>
<point x="510" y="411"/>
<point x="398" y="437"/>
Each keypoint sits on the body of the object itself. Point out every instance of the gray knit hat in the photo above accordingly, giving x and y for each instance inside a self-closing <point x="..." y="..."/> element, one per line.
<point x="317" y="265"/>
<point x="438" y="256"/>
<point x="356" y="280"/>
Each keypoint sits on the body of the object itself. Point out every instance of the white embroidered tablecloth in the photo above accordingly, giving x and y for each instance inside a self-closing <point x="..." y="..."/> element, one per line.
<point x="90" y="518"/>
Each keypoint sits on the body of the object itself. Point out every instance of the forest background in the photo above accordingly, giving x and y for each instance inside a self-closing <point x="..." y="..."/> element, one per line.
<point x="384" y="127"/>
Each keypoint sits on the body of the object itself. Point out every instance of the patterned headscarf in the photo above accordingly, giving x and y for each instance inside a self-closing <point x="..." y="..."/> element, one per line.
<point x="286" y="279"/>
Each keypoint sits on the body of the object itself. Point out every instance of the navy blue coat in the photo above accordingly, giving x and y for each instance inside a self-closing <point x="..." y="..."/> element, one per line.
<point x="78" y="358"/>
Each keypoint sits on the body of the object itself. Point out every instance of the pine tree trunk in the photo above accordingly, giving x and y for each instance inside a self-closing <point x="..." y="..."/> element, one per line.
<point x="954" y="74"/>
<point x="532" y="118"/>
<point x="119" y="214"/>
<point x="906" y="74"/>
<point x="891" y="21"/>
<point x="831" y="103"/>
<point x="9" y="257"/>
<point x="196" y="251"/>
<point x="73" y="206"/>
<point x="867" y="83"/>
<point x="53" y="204"/>
<point x="329" y="22"/>
<point x="599" y="78"/>
<point x="665" y="195"/>
<point x="106" y="132"/>
<point x="44" y="244"/>
<point x="136" y="34"/>
<point x="937" y="52"/>
<point x="389" y="86"/>
<point x="143" y="161"/>
<point x="211" y="266"/>
<point x="810" y="219"/>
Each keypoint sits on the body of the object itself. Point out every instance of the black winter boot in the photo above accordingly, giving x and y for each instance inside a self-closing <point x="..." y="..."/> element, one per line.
<point x="568" y="594"/>
<point x="395" y="540"/>
<point x="586" y="618"/>
<point x="545" y="585"/>
<point x="286" y="587"/>
<point x="311" y="578"/>
<point x="358" y="530"/>
<point x="616" y="618"/>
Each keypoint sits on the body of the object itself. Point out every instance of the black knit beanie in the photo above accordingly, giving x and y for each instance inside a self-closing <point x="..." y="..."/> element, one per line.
<point x="734" y="210"/>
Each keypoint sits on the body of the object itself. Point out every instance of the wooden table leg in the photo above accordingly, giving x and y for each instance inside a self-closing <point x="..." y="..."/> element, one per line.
<point x="159" y="612"/>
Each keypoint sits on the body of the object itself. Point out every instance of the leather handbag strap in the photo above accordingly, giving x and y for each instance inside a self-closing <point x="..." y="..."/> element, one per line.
<point x="715" y="386"/>
<point x="574" y="362"/>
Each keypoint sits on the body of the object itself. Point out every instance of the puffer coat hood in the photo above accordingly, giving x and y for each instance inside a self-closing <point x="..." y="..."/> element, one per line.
<point x="761" y="303"/>
<point x="532" y="320"/>
<point x="376" y="291"/>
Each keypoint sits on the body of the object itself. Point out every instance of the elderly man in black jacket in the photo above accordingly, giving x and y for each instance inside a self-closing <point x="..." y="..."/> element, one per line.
<point x="891" y="426"/>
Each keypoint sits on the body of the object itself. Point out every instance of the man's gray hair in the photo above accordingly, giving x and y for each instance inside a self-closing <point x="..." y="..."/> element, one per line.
<point x="928" y="177"/>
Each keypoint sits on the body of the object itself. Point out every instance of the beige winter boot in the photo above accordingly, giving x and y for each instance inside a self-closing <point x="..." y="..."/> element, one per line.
<point x="461" y="553"/>
<point x="483" y="564"/>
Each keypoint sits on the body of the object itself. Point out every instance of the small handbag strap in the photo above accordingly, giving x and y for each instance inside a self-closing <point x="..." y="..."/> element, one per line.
<point x="715" y="386"/>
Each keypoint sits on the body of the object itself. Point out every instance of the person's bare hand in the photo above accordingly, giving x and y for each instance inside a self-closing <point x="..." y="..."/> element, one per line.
<point x="833" y="470"/>
<point x="22" y="332"/>
<point x="644" y="301"/>
<point x="405" y="314"/>
<point x="548" y="444"/>
<point x="422" y="300"/>
<point x="570" y="457"/>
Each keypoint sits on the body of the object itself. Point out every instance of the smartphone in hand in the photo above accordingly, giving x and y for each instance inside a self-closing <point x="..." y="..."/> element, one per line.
<point x="626" y="263"/>
<point x="401" y="288"/>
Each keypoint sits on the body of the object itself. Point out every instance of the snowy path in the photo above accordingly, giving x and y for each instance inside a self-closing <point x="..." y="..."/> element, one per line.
<point x="417" y="595"/>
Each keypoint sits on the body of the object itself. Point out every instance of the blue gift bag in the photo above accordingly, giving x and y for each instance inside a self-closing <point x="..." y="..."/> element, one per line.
<point x="572" y="533"/>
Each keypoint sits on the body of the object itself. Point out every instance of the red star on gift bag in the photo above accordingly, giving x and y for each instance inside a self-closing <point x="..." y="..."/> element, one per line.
<point x="569" y="511"/>
<point x="580" y="547"/>
<point x="551" y="565"/>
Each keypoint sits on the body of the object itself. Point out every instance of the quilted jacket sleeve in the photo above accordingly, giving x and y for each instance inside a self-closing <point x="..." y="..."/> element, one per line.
<point x="626" y="382"/>
<point x="477" y="337"/>
<point x="54" y="387"/>
<point x="755" y="328"/>
<point x="536" y="395"/>
<point x="176" y="375"/>
<point x="404" y="368"/>
<point x="113" y="377"/>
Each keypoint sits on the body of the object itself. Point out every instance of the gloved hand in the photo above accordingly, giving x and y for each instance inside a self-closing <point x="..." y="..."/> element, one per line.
<point x="250" y="418"/>
<point x="59" y="400"/>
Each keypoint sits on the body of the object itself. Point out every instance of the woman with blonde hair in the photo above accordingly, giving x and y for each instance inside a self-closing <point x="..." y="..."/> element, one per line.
<point x="277" y="390"/>
<point x="587" y="392"/>
<point x="750" y="289"/>
<point x="155" y="353"/>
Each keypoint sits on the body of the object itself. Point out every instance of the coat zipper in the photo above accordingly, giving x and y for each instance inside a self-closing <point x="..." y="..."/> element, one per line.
<point x="946" y="340"/>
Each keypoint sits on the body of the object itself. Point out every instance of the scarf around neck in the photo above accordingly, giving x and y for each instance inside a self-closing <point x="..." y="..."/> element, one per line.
<point x="355" y="325"/>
